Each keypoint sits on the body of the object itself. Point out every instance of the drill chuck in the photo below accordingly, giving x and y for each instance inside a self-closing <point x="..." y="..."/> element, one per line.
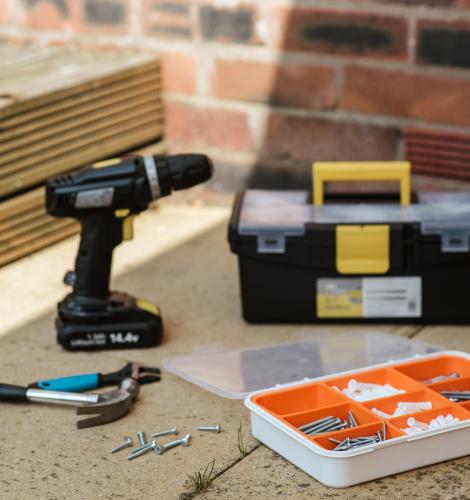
<point x="189" y="170"/>
<point x="177" y="172"/>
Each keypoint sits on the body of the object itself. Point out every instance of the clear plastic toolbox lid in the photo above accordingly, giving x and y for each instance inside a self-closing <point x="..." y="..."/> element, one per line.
<point x="273" y="215"/>
<point x="234" y="374"/>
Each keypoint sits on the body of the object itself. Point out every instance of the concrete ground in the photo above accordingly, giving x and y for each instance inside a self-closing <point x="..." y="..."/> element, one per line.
<point x="179" y="259"/>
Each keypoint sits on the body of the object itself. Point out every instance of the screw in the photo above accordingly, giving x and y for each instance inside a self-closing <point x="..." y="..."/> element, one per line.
<point x="364" y="442"/>
<point x="335" y="426"/>
<point x="142" y="438"/>
<point x="184" y="442"/>
<point x="457" y="396"/>
<point x="172" y="430"/>
<point x="334" y="440"/>
<point x="319" y="427"/>
<point x="316" y="423"/>
<point x="209" y="428"/>
<point x="144" y="449"/>
<point x="127" y="442"/>
<point x="341" y="446"/>
<point x="352" y="419"/>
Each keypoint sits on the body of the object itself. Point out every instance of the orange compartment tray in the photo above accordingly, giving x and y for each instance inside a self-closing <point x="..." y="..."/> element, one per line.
<point x="435" y="367"/>
<point x="364" y="430"/>
<point x="307" y="397"/>
<point x="388" y="405"/>
<point x="277" y="415"/>
<point x="458" y="384"/>
<point x="301" y="404"/>
<point x="382" y="376"/>
<point x="427" y="416"/>
<point x="362" y="415"/>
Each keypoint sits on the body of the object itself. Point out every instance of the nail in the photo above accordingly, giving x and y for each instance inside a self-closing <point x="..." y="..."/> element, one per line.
<point x="315" y="423"/>
<point x="353" y="418"/>
<point x="333" y="427"/>
<point x="332" y="421"/>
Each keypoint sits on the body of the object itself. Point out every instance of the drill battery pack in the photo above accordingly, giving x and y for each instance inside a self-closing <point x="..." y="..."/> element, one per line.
<point x="353" y="257"/>
<point x="119" y="322"/>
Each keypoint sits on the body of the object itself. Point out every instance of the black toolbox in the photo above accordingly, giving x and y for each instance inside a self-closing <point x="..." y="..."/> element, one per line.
<point x="353" y="261"/>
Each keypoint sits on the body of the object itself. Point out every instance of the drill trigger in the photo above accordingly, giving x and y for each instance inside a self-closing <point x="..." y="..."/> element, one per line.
<point x="127" y="223"/>
<point x="128" y="228"/>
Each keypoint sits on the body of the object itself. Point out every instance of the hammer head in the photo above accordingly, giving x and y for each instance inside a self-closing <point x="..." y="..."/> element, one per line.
<point x="111" y="405"/>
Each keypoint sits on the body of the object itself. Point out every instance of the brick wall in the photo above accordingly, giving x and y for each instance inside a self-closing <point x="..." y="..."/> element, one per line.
<point x="278" y="83"/>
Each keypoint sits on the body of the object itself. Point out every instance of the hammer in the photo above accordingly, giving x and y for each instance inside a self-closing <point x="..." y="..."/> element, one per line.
<point x="105" y="407"/>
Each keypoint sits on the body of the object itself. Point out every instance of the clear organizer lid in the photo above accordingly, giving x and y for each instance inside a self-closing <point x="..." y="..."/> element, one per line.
<point x="234" y="374"/>
<point x="273" y="215"/>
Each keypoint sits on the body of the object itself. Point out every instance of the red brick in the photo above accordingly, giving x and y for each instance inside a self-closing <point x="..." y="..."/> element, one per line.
<point x="341" y="33"/>
<point x="167" y="18"/>
<point x="228" y="24"/>
<point x="104" y="16"/>
<point x="435" y="98"/>
<point x="104" y="12"/>
<point x="4" y="13"/>
<point x="50" y="14"/>
<point x="300" y="138"/>
<point x="444" y="43"/>
<point x="179" y="73"/>
<point x="418" y="3"/>
<point x="285" y="84"/>
<point x="462" y="4"/>
<point x="198" y="126"/>
<point x="442" y="153"/>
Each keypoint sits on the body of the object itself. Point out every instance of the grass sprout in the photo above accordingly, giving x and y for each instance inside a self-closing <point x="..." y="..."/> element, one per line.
<point x="200" y="480"/>
<point x="242" y="447"/>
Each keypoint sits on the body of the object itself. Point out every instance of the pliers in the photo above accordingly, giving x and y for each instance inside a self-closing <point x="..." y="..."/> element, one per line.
<point x="90" y="381"/>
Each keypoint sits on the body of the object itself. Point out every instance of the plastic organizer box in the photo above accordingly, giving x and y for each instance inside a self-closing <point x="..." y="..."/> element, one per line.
<point x="277" y="414"/>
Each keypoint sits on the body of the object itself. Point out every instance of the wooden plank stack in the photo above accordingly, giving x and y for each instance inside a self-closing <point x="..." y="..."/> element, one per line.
<point x="61" y="109"/>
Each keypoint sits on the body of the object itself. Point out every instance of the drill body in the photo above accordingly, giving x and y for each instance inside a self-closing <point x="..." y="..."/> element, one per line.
<point x="105" y="198"/>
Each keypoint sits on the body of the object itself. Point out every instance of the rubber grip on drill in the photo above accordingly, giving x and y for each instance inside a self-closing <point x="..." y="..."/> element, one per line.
<point x="100" y="235"/>
<point x="13" y="393"/>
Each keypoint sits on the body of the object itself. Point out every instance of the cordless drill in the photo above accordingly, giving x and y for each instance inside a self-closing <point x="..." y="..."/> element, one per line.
<point x="105" y="198"/>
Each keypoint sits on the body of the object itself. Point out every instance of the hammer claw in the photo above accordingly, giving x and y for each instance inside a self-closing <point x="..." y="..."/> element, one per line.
<point x="111" y="405"/>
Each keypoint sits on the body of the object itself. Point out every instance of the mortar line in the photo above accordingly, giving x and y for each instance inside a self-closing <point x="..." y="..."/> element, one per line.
<point x="417" y="329"/>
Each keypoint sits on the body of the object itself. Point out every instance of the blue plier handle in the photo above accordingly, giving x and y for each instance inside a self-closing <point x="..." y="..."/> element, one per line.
<point x="90" y="381"/>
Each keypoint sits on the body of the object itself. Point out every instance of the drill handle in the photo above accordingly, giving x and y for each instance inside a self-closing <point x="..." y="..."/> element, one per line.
<point x="100" y="235"/>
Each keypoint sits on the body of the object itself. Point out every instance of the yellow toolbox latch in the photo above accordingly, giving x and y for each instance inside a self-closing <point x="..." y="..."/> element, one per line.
<point x="363" y="249"/>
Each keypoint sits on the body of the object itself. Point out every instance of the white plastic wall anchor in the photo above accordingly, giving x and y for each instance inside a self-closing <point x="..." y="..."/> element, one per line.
<point x="381" y="413"/>
<point x="410" y="407"/>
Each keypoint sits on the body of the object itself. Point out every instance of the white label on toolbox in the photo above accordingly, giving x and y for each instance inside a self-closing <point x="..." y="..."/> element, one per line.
<point x="398" y="297"/>
<point x="391" y="297"/>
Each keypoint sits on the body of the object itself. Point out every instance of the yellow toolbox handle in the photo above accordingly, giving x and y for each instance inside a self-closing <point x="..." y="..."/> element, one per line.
<point x="325" y="171"/>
